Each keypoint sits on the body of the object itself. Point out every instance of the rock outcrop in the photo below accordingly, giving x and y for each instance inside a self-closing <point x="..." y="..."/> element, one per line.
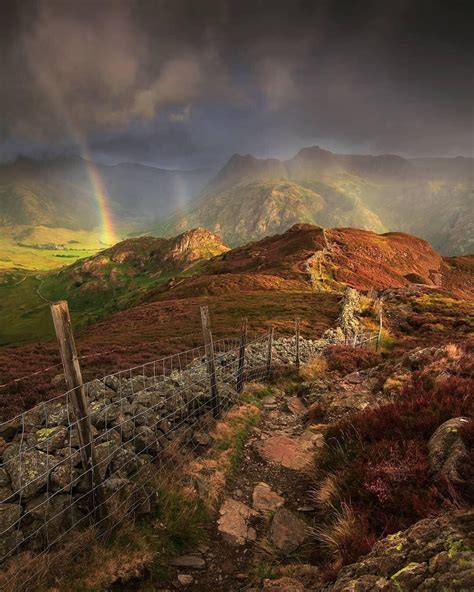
<point x="434" y="554"/>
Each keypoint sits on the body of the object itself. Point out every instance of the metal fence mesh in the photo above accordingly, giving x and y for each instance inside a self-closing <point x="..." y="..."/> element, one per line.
<point x="138" y="419"/>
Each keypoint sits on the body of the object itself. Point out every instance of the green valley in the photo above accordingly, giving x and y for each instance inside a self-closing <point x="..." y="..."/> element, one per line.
<point x="114" y="279"/>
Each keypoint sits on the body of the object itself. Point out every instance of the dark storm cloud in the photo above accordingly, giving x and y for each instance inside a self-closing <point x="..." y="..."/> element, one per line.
<point x="191" y="82"/>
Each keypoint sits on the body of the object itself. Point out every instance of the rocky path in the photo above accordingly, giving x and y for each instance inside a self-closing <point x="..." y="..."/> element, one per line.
<point x="264" y="515"/>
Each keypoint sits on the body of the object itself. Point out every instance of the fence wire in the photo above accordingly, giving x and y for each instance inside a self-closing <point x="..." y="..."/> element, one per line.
<point x="139" y="418"/>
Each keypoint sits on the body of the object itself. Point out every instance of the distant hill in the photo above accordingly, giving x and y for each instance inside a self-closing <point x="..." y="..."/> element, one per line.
<point x="116" y="276"/>
<point x="250" y="197"/>
<point x="56" y="200"/>
<point x="59" y="193"/>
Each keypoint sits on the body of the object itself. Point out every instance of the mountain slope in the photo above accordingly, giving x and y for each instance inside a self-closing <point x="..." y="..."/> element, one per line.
<point x="59" y="193"/>
<point x="117" y="276"/>
<point x="250" y="197"/>
<point x="308" y="258"/>
<point x="248" y="211"/>
<point x="114" y="279"/>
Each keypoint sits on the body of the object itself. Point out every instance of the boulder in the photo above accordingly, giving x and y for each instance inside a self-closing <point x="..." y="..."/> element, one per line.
<point x="104" y="414"/>
<point x="29" y="472"/>
<point x="51" y="516"/>
<point x="98" y="391"/>
<point x="51" y="439"/>
<point x="113" y="382"/>
<point x="57" y="414"/>
<point x="447" y="452"/>
<point x="145" y="440"/>
<point x="124" y="461"/>
<point x="9" y="428"/>
<point x="6" y="494"/>
<point x="266" y="500"/>
<point x="104" y="453"/>
<point x="287" y="532"/>
<point x="64" y="477"/>
<point x="433" y="554"/>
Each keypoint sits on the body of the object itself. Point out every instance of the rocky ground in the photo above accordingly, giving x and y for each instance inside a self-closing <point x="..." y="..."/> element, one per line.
<point x="264" y="516"/>
<point x="263" y="538"/>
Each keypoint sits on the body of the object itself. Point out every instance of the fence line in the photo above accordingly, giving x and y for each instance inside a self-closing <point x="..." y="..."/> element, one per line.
<point x="138" y="418"/>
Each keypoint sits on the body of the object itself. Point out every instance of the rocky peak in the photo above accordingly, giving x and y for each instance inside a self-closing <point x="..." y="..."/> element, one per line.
<point x="195" y="244"/>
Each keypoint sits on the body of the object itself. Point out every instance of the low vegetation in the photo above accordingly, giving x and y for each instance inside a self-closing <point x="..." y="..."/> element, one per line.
<point x="346" y="359"/>
<point x="373" y="476"/>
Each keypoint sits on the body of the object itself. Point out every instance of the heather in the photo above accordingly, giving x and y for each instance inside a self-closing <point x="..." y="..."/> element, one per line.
<point x="373" y="477"/>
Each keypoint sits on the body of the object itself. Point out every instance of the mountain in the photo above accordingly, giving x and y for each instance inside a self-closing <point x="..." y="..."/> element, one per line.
<point x="116" y="277"/>
<point x="59" y="193"/>
<point x="49" y="209"/>
<point x="250" y="197"/>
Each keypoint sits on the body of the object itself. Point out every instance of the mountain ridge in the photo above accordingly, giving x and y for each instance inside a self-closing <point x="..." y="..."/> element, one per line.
<point x="431" y="198"/>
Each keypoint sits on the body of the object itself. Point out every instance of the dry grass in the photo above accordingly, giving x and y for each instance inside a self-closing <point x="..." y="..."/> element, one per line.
<point x="176" y="522"/>
<point x="345" y="537"/>
<point x="314" y="368"/>
<point x="326" y="492"/>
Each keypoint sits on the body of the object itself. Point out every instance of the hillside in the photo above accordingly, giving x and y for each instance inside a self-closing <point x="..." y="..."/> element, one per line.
<point x="140" y="299"/>
<point x="286" y="267"/>
<point x="96" y="286"/>
<point x="59" y="192"/>
<point x="431" y="198"/>
<point x="306" y="257"/>
<point x="49" y="209"/>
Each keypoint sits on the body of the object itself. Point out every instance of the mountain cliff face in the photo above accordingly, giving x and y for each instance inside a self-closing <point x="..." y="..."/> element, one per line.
<point x="250" y="197"/>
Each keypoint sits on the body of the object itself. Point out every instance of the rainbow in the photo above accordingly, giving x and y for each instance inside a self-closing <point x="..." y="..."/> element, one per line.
<point x="108" y="235"/>
<point x="50" y="89"/>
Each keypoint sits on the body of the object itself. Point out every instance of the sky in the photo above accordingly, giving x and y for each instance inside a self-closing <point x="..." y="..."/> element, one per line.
<point x="185" y="84"/>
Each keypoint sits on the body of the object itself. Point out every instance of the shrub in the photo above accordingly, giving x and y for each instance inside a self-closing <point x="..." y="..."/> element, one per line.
<point x="348" y="359"/>
<point x="376" y="463"/>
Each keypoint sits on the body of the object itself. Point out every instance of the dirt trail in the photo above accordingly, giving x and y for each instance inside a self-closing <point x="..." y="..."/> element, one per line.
<point x="265" y="511"/>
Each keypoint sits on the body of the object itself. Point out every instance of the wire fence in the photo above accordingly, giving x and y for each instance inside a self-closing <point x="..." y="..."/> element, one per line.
<point x="137" y="417"/>
<point x="52" y="481"/>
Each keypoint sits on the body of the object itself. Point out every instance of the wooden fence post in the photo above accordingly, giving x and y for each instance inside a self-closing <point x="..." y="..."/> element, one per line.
<point x="297" y="337"/>
<point x="270" y="352"/>
<point x="80" y="404"/>
<point x="211" y="365"/>
<point x="241" y="366"/>
<point x="379" y="336"/>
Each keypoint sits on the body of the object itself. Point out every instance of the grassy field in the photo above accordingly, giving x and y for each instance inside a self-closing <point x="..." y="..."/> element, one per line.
<point x="24" y="313"/>
<point x="39" y="248"/>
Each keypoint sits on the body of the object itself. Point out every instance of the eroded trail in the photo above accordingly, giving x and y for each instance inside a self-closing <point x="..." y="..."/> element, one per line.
<point x="264" y="514"/>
